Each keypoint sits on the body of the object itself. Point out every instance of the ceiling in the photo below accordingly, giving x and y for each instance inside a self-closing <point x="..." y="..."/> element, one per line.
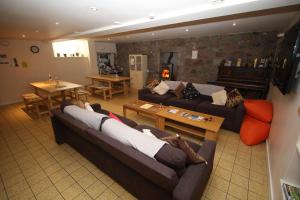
<point x="136" y="19"/>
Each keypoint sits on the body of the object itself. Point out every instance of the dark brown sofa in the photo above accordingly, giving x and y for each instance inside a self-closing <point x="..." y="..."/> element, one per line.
<point x="142" y="176"/>
<point x="233" y="116"/>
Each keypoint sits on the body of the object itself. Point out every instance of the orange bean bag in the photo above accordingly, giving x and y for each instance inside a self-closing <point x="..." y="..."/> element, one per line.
<point x="254" y="131"/>
<point x="259" y="109"/>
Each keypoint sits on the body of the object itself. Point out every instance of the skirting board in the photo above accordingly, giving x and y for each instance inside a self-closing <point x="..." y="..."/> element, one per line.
<point x="271" y="194"/>
<point x="10" y="102"/>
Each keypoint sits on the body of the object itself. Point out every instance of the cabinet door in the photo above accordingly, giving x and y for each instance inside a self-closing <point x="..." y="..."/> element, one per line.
<point x="138" y="63"/>
<point x="132" y="62"/>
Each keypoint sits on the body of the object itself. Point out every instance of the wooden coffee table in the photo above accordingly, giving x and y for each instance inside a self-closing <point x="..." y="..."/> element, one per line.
<point x="136" y="106"/>
<point x="209" y="129"/>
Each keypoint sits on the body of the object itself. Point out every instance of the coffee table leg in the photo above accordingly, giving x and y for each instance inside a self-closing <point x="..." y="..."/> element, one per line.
<point x="209" y="135"/>
<point x="160" y="123"/>
<point x="124" y="111"/>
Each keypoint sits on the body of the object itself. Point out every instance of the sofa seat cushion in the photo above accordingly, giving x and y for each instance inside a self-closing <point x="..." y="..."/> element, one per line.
<point x="222" y="111"/>
<point x="156" y="98"/>
<point x="254" y="131"/>
<point x="189" y="104"/>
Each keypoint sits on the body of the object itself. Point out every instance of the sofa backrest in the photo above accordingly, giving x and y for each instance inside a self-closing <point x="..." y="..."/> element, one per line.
<point x="205" y="89"/>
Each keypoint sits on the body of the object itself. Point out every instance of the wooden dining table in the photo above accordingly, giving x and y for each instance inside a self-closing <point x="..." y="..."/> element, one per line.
<point x="111" y="80"/>
<point x="52" y="88"/>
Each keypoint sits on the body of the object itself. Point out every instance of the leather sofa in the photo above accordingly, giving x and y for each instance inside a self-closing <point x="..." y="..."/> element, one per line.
<point x="142" y="176"/>
<point x="233" y="116"/>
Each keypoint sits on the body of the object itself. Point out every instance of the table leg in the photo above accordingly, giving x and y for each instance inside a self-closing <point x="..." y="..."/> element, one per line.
<point x="49" y="101"/>
<point x="125" y="88"/>
<point x="124" y="112"/>
<point x="160" y="123"/>
<point x="210" y="135"/>
<point x="110" y="89"/>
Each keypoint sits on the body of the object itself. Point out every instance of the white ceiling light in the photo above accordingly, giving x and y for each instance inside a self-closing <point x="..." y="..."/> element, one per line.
<point x="234" y="24"/>
<point x="187" y="30"/>
<point x="117" y="22"/>
<point x="108" y="38"/>
<point x="93" y="8"/>
<point x="56" y="23"/>
<point x="23" y="36"/>
<point x="153" y="34"/>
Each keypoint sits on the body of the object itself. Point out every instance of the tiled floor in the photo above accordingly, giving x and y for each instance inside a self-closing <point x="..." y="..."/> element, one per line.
<point x="33" y="166"/>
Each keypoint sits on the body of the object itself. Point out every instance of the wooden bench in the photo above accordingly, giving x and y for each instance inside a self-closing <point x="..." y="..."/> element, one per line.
<point x="81" y="95"/>
<point x="33" y="103"/>
<point x="105" y="91"/>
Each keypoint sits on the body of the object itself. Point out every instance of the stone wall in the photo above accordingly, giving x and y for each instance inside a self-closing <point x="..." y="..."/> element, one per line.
<point x="211" y="51"/>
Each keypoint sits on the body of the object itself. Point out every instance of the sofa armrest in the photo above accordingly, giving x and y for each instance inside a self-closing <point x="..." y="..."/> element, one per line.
<point x="147" y="167"/>
<point x="193" y="182"/>
<point x="239" y="117"/>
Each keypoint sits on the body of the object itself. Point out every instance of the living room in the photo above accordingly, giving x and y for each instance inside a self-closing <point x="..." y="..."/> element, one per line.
<point x="186" y="100"/>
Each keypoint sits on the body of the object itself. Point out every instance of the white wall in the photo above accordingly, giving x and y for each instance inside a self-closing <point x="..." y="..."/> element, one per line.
<point x="284" y="160"/>
<point x="14" y="81"/>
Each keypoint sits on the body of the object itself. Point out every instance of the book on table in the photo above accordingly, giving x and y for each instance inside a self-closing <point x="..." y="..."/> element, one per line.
<point x="146" y="106"/>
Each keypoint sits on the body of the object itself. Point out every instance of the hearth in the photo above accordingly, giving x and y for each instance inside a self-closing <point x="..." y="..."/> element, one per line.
<point x="168" y="62"/>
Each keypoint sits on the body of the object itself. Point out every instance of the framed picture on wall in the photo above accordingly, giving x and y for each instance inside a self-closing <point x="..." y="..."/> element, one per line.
<point x="4" y="59"/>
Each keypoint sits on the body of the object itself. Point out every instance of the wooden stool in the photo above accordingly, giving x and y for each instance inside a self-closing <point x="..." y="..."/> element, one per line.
<point x="105" y="91"/>
<point x="33" y="102"/>
<point x="80" y="93"/>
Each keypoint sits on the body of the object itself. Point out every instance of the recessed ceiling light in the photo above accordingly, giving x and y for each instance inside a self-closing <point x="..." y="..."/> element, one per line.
<point x="56" y="23"/>
<point x="187" y="30"/>
<point x="234" y="24"/>
<point x="93" y="8"/>
<point x="117" y="22"/>
<point x="37" y="31"/>
<point x="23" y="36"/>
<point x="108" y="38"/>
<point x="152" y="33"/>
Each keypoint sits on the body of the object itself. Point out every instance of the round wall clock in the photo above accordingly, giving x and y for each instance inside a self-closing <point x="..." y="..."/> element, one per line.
<point x="34" y="49"/>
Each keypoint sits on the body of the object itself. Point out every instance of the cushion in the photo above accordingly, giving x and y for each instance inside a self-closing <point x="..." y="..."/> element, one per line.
<point x="234" y="98"/>
<point x="111" y="115"/>
<point x="254" y="131"/>
<point x="172" y="157"/>
<point x="178" y="91"/>
<point x="207" y="89"/>
<point x="161" y="89"/>
<point x="178" y="142"/>
<point x="259" y="109"/>
<point x="190" y="92"/>
<point x="152" y="85"/>
<point x="219" y="98"/>
<point x="88" y="107"/>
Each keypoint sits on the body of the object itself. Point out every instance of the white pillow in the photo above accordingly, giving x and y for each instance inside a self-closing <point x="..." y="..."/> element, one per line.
<point x="162" y="88"/>
<point x="219" y="98"/>
<point x="88" y="107"/>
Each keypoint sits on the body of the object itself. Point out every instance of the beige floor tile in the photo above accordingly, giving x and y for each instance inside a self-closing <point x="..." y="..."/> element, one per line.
<point x="260" y="178"/>
<point x="223" y="173"/>
<point x="52" y="168"/>
<point x="96" y="189"/>
<point x="214" y="193"/>
<point x="241" y="171"/>
<point x="98" y="173"/>
<point x="107" y="180"/>
<point x="87" y="180"/>
<point x="127" y="196"/>
<point x="55" y="177"/>
<point x="48" y="194"/>
<point x="17" y="188"/>
<point x="23" y="195"/>
<point x="254" y="196"/>
<point x="107" y="195"/>
<point x="258" y="188"/>
<point x="239" y="180"/>
<point x="117" y="189"/>
<point x="41" y="186"/>
<point x="79" y="173"/>
<point x="64" y="183"/>
<point x="242" y="162"/>
<point x="72" y="191"/>
<point x="220" y="183"/>
<point x="83" y="196"/>
<point x="36" y="178"/>
<point x="230" y="197"/>
<point x="72" y="167"/>
<point x="226" y="164"/>
<point x="238" y="191"/>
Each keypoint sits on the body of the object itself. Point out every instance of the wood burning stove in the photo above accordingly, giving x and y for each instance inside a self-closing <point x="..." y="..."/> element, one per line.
<point x="167" y="69"/>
